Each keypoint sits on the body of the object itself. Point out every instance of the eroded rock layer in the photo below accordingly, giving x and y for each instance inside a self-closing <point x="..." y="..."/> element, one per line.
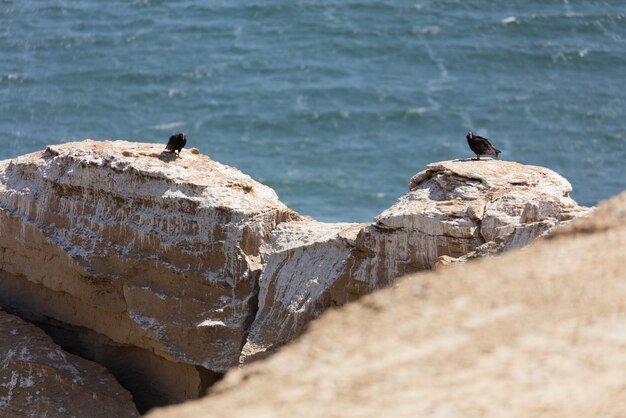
<point x="453" y="210"/>
<point x="39" y="379"/>
<point x="307" y="272"/>
<point x="455" y="207"/>
<point x="533" y="333"/>
<point x="149" y="250"/>
<point x="191" y="267"/>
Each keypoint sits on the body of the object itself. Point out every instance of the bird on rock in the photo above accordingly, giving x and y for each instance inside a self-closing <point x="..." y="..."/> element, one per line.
<point x="481" y="146"/>
<point x="176" y="143"/>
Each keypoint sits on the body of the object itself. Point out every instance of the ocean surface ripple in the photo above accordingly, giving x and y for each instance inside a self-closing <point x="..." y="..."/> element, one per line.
<point x="335" y="104"/>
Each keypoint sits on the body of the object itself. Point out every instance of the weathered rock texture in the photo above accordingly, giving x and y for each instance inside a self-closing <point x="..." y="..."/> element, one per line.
<point x="39" y="379"/>
<point x="146" y="249"/>
<point x="455" y="207"/>
<point x="193" y="267"/>
<point x="533" y="333"/>
<point x="462" y="208"/>
<point x="306" y="273"/>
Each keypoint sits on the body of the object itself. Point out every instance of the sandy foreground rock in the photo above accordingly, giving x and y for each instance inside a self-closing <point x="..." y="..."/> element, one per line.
<point x="170" y="271"/>
<point x="538" y="332"/>
<point x="39" y="379"/>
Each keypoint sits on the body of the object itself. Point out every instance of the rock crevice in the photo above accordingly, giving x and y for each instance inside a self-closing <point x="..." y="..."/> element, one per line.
<point x="38" y="378"/>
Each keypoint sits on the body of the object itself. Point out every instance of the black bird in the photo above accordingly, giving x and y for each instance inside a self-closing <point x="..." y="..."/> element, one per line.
<point x="481" y="146"/>
<point x="176" y="143"/>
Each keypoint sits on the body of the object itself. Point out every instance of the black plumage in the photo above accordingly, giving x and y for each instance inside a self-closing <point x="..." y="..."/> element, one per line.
<point x="176" y="143"/>
<point x="481" y="146"/>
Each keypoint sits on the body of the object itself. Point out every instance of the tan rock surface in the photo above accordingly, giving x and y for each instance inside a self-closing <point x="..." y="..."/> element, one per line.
<point x="454" y="210"/>
<point x="454" y="207"/>
<point x="538" y="332"/>
<point x="149" y="250"/>
<point x="39" y="379"/>
<point x="161" y="253"/>
<point x="306" y="272"/>
<point x="190" y="267"/>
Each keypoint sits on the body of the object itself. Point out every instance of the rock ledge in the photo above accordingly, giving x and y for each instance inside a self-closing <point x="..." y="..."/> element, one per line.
<point x="197" y="267"/>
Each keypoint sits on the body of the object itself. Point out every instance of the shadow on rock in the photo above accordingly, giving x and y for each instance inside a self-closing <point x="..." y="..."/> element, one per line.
<point x="467" y="160"/>
<point x="168" y="156"/>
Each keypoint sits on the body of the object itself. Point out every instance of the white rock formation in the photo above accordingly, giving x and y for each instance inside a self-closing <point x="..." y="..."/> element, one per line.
<point x="455" y="208"/>
<point x="151" y="251"/>
<point x="203" y="268"/>
<point x="305" y="273"/>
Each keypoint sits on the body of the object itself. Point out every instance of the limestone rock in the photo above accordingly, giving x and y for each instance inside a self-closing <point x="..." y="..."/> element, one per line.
<point x="454" y="210"/>
<point x="147" y="249"/>
<point x="534" y="333"/>
<point x="306" y="272"/>
<point x="39" y="379"/>
<point x="193" y="267"/>
<point x="454" y="207"/>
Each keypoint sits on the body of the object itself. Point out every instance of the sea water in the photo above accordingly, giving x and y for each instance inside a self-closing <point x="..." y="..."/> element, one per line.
<point x="334" y="104"/>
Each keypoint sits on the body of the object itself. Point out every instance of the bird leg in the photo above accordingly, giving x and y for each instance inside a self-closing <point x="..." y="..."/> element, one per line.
<point x="477" y="157"/>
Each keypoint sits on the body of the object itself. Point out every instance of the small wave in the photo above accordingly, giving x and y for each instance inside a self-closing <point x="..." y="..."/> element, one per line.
<point x="173" y="93"/>
<point x="301" y="102"/>
<point x="167" y="126"/>
<point x="168" y="93"/>
<point x="428" y="30"/>
<point x="565" y="56"/>
<point x="443" y="71"/>
<point x="197" y="73"/>
<point x="417" y="110"/>
<point x="508" y="20"/>
<point x="568" y="9"/>
<point x="134" y="36"/>
<point x="13" y="78"/>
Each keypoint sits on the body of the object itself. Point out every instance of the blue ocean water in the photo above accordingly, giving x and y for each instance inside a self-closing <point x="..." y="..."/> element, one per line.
<point x="335" y="104"/>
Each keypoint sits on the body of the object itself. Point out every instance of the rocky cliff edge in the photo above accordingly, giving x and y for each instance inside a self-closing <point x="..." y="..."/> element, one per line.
<point x="191" y="267"/>
<point x="533" y="333"/>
